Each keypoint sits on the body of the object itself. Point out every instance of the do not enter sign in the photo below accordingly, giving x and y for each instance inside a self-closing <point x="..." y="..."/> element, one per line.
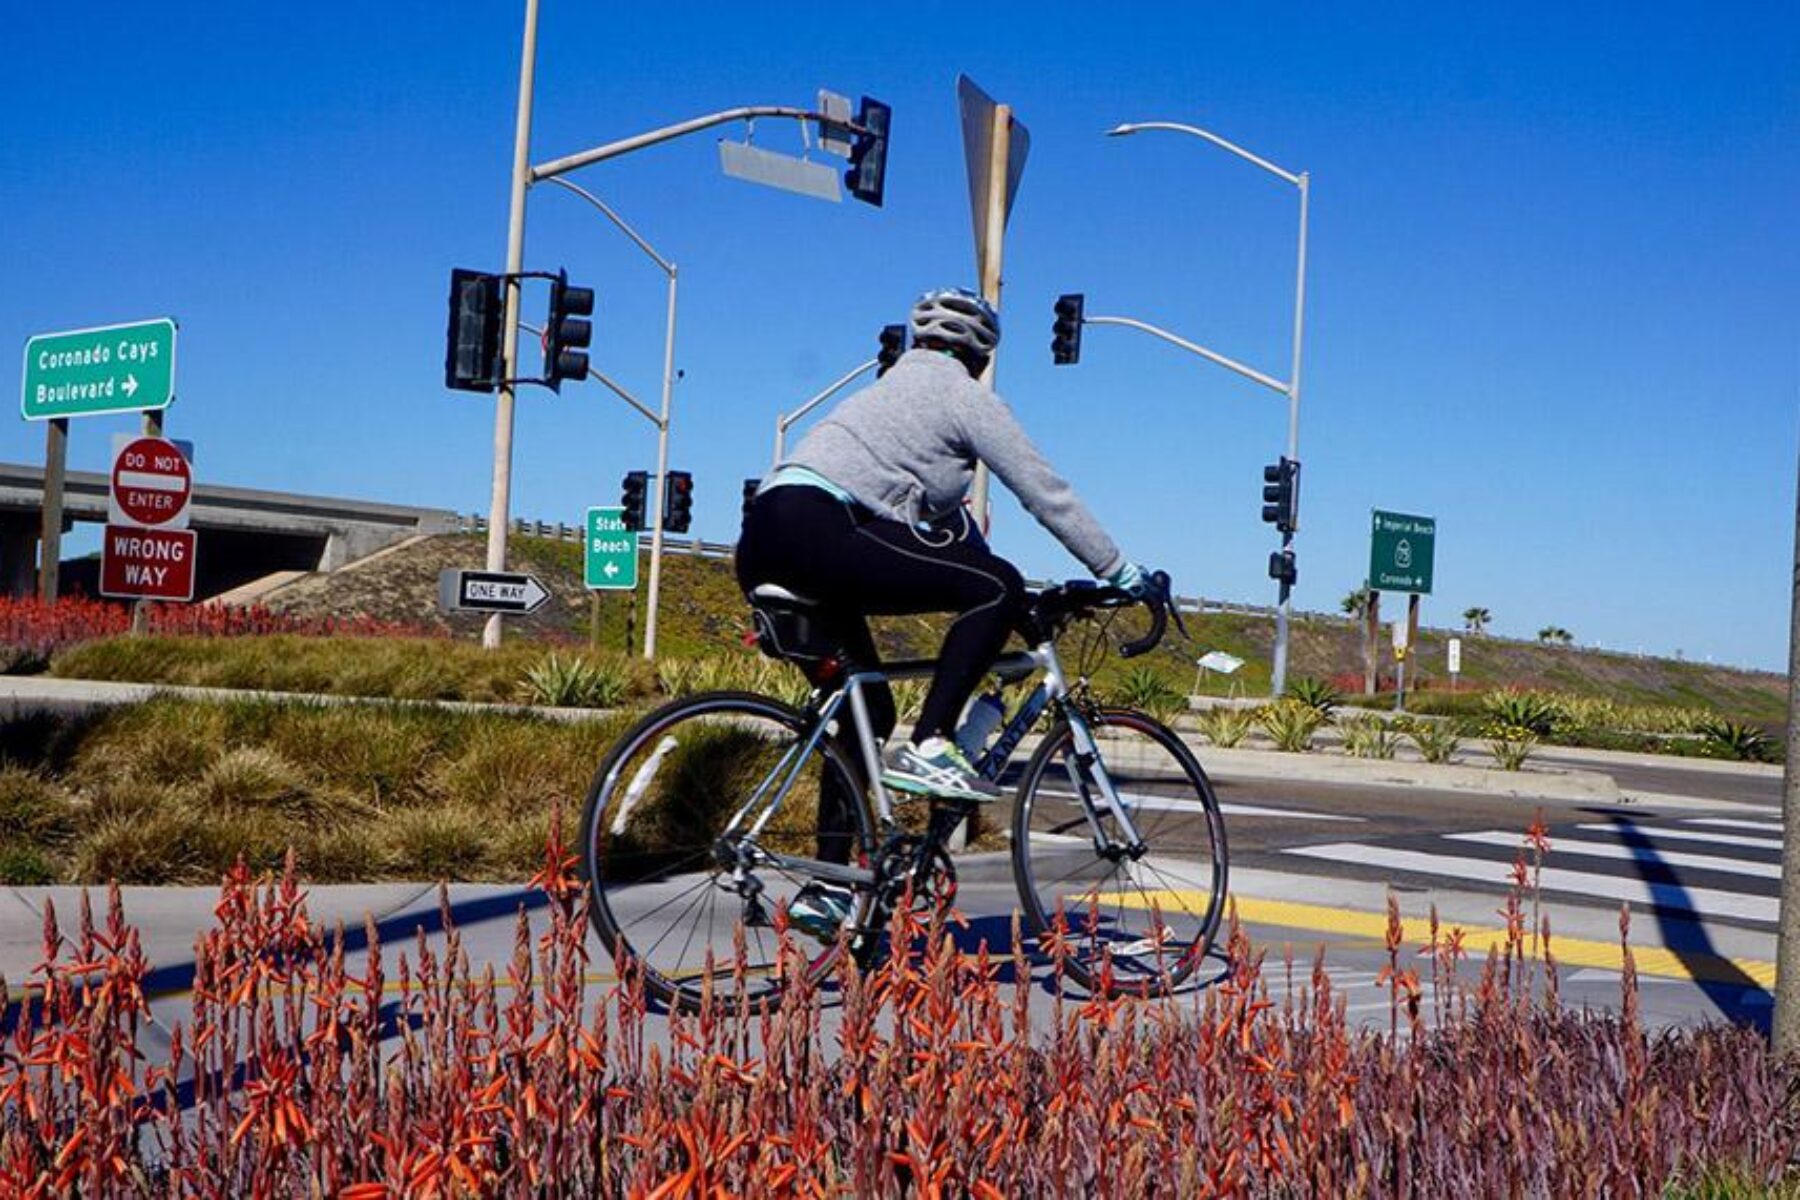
<point x="151" y="484"/>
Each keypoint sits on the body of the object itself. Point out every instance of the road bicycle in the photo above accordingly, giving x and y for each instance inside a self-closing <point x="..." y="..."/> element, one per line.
<point x="710" y="815"/>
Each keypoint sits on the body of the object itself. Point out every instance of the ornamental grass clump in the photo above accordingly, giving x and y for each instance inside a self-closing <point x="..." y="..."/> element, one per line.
<point x="1436" y="741"/>
<point x="321" y="1063"/>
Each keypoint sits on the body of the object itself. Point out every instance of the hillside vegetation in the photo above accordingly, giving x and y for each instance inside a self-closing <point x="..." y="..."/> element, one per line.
<point x="703" y="615"/>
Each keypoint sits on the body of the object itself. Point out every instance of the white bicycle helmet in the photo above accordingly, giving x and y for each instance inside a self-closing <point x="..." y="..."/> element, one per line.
<point x="958" y="318"/>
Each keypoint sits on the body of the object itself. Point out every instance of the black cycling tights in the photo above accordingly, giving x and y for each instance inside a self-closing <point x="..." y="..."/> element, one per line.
<point x="855" y="565"/>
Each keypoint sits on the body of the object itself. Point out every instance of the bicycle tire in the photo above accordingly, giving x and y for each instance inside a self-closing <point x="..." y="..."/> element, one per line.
<point x="634" y="800"/>
<point x="1042" y="836"/>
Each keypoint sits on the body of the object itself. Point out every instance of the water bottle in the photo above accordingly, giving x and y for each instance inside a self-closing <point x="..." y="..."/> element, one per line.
<point x="983" y="717"/>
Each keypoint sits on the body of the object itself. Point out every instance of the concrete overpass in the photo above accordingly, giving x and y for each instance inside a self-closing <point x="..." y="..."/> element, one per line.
<point x="244" y="533"/>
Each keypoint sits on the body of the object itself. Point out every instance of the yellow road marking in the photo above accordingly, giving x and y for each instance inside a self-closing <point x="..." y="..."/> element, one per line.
<point x="1696" y="966"/>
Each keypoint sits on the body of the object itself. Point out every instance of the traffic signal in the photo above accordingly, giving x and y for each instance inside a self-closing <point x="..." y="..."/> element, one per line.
<point x="867" y="176"/>
<point x="631" y="497"/>
<point x="893" y="345"/>
<point x="567" y="332"/>
<point x="472" y="349"/>
<point x="1282" y="568"/>
<point x="750" y="487"/>
<point x="1065" y="344"/>
<point x="1281" y="494"/>
<point x="678" y="502"/>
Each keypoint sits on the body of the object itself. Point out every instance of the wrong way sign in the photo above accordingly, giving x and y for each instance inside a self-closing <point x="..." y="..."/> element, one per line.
<point x="489" y="592"/>
<point x="147" y="564"/>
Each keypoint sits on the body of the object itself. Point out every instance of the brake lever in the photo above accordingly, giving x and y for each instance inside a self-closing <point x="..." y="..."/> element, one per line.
<point x="1166" y="586"/>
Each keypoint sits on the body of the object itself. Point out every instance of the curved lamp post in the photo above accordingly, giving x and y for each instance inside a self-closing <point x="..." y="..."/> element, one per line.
<point x="1278" y="681"/>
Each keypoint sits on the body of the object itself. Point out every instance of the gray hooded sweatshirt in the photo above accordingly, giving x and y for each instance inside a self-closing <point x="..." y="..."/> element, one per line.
<point x="905" y="447"/>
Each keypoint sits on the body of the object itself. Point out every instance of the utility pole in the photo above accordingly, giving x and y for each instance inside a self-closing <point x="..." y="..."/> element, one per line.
<point x="500" y="506"/>
<point x="1787" y="939"/>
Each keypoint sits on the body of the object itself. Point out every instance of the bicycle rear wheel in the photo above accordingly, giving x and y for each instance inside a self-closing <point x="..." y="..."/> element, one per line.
<point x="1127" y="926"/>
<point x="659" y="846"/>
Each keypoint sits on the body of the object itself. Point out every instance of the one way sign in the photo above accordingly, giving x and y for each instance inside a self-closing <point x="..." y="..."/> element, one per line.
<point x="489" y="592"/>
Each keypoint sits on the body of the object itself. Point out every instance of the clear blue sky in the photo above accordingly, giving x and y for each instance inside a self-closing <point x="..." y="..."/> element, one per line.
<point x="1553" y="291"/>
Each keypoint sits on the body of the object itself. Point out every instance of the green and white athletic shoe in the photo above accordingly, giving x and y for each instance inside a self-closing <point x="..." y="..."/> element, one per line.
<point x="935" y="767"/>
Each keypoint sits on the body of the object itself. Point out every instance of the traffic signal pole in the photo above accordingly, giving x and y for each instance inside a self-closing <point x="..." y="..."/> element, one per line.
<point x="1278" y="673"/>
<point x="500" y="505"/>
<point x="1786" y="1024"/>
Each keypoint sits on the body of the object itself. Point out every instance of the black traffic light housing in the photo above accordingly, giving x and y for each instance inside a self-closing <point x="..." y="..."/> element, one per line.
<point x="1281" y="494"/>
<point x="567" y="332"/>
<point x="893" y="345"/>
<point x="678" y="502"/>
<point x="472" y="349"/>
<point x="1065" y="341"/>
<point x="631" y="497"/>
<point x="867" y="176"/>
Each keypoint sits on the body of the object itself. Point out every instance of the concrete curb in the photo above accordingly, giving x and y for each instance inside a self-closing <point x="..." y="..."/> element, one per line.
<point x="1531" y="783"/>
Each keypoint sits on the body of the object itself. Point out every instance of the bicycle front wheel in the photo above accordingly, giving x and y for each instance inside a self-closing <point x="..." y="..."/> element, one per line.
<point x="1120" y="924"/>
<point x="679" y="887"/>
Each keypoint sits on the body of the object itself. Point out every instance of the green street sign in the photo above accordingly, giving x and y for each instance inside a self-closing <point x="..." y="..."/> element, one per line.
<point x="611" y="557"/>
<point x="115" y="368"/>
<point x="1400" y="553"/>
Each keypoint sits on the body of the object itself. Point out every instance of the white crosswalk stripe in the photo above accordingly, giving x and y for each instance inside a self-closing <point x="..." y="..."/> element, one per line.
<point x="1684" y="866"/>
<point x="1562" y="848"/>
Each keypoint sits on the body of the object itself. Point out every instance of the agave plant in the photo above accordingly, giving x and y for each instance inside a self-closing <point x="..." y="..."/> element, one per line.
<point x="1511" y="746"/>
<point x="1316" y="694"/>
<point x="576" y="682"/>
<point x="1728" y="739"/>
<point x="1436" y="741"/>
<point x="1537" y="713"/>
<point x="1369" y="737"/>
<point x="1291" y="724"/>
<point x="1226" y="727"/>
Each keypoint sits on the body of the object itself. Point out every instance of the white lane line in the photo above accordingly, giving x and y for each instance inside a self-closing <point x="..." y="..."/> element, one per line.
<point x="1613" y="850"/>
<point x="1737" y="823"/>
<point x="1705" y="902"/>
<point x="1171" y="804"/>
<point x="1658" y="833"/>
<point x="1293" y="814"/>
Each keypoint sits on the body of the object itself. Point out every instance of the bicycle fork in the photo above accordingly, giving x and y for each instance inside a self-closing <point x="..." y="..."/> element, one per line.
<point x="1087" y="775"/>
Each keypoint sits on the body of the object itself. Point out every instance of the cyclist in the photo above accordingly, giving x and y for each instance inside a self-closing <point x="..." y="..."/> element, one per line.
<point x="866" y="517"/>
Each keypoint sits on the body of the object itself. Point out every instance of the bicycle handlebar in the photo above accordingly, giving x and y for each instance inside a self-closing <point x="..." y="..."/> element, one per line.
<point x="1070" y="599"/>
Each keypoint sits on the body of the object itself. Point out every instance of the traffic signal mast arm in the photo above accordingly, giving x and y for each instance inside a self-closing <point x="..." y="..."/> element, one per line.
<point x="596" y="373"/>
<point x="1230" y="364"/>
<point x="574" y="162"/>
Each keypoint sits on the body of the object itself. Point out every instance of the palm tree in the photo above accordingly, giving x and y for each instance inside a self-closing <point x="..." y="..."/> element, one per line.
<point x="1555" y="633"/>
<point x="1356" y="604"/>
<point x="1476" y="619"/>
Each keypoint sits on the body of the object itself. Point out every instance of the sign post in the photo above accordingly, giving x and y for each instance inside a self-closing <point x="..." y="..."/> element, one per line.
<point x="1455" y="661"/>
<point x="995" y="146"/>
<point x="610" y="554"/>
<point x="80" y="372"/>
<point x="1402" y="644"/>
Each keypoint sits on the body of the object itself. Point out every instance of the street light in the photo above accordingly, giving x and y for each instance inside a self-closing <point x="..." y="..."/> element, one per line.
<point x="1278" y="681"/>
<point x="661" y="422"/>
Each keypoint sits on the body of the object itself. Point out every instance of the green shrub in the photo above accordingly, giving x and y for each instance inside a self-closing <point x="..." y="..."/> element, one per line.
<point x="1291" y="724"/>
<point x="1226" y="727"/>
<point x="1369" y="737"/>
<point x="1436" y="741"/>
